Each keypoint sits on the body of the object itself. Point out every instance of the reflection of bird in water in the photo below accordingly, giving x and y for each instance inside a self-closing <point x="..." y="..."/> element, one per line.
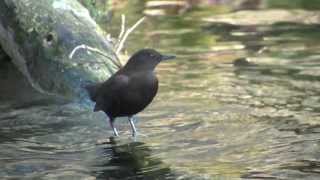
<point x="131" y="160"/>
<point x="130" y="90"/>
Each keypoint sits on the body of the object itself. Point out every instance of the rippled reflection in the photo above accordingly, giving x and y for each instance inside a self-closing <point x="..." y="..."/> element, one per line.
<point x="130" y="160"/>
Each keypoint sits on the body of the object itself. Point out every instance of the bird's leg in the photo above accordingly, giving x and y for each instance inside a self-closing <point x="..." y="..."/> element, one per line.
<point x="133" y="127"/>
<point x="115" y="132"/>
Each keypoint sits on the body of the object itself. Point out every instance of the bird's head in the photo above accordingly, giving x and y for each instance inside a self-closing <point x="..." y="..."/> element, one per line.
<point x="146" y="59"/>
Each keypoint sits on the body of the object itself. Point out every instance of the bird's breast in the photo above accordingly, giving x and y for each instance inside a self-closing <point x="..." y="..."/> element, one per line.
<point x="140" y="92"/>
<point x="145" y="87"/>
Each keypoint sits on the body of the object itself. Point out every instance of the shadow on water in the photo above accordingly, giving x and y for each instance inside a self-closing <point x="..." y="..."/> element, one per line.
<point x="130" y="160"/>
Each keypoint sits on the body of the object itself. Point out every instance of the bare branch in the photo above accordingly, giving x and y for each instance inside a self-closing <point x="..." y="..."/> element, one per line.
<point x="88" y="49"/>
<point x="125" y="36"/>
<point x="123" y="27"/>
<point x="118" y="47"/>
<point x="76" y="49"/>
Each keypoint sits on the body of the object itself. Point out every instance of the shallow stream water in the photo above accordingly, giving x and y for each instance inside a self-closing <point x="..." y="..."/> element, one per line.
<point x="239" y="102"/>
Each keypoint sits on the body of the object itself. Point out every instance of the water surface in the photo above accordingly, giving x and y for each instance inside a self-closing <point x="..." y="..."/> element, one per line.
<point x="240" y="101"/>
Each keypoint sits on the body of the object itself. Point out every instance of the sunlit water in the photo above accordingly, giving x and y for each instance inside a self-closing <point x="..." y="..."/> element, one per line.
<point x="238" y="102"/>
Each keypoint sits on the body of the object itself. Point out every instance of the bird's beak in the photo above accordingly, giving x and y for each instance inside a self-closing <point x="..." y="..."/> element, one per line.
<point x="166" y="57"/>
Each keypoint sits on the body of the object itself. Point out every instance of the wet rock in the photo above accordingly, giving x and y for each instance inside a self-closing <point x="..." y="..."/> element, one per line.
<point x="39" y="36"/>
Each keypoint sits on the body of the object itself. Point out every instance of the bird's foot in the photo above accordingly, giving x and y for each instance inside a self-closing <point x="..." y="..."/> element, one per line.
<point x="114" y="129"/>
<point x="139" y="134"/>
<point x="115" y="132"/>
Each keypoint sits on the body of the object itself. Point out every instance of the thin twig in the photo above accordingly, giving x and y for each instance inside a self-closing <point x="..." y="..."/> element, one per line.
<point x="123" y="27"/>
<point x="120" y="42"/>
<point x="88" y="49"/>
<point x="76" y="49"/>
<point x="125" y="36"/>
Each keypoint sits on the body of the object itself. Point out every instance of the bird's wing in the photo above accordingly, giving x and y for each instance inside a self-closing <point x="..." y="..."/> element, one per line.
<point x="109" y="90"/>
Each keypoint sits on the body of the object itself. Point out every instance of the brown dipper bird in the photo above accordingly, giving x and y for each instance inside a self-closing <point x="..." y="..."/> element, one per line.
<point x="130" y="89"/>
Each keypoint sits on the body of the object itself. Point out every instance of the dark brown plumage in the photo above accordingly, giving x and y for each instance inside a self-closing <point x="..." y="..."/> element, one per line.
<point x="130" y="89"/>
